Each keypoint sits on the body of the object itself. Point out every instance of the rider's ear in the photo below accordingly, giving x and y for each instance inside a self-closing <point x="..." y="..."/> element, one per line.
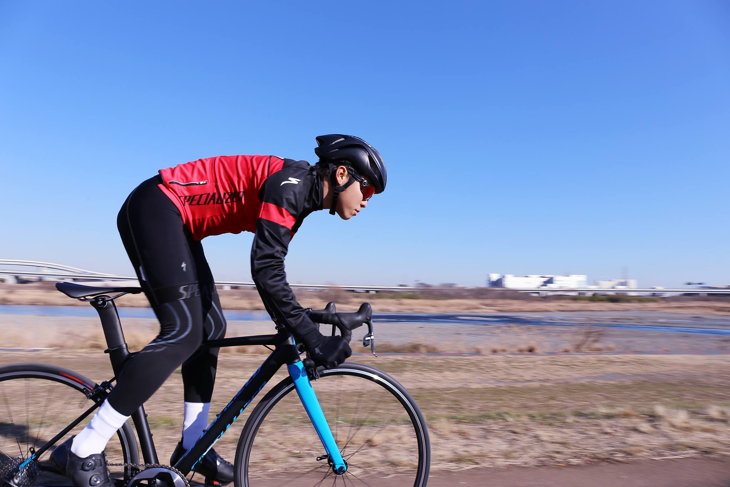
<point x="342" y="175"/>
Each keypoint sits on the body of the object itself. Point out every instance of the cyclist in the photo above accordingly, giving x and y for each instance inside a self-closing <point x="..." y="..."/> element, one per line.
<point x="162" y="223"/>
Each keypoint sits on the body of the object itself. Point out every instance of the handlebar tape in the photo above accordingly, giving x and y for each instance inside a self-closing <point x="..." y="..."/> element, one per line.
<point x="345" y="322"/>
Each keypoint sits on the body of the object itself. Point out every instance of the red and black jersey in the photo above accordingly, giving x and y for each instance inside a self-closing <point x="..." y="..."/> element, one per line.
<point x="219" y="194"/>
<point x="266" y="195"/>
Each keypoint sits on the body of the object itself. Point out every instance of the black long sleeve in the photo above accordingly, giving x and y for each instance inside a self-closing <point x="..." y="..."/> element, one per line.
<point x="293" y="193"/>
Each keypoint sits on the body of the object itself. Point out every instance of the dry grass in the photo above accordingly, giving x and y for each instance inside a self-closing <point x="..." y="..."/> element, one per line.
<point x="526" y="396"/>
<point x="85" y="334"/>
<point x="499" y="410"/>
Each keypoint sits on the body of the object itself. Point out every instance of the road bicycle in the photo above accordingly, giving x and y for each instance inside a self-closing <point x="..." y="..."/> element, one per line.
<point x="349" y="425"/>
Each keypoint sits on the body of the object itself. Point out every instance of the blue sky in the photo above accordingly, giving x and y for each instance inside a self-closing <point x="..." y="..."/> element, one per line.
<point x="521" y="137"/>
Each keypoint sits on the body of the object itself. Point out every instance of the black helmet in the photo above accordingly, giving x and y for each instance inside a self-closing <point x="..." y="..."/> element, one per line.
<point x="356" y="153"/>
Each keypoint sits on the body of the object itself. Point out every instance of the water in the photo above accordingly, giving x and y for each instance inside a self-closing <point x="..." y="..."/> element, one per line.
<point x="628" y="320"/>
<point x="88" y="311"/>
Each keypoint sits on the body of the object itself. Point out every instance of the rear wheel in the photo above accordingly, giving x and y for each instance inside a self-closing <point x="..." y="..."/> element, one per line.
<point x="36" y="402"/>
<point x="377" y="425"/>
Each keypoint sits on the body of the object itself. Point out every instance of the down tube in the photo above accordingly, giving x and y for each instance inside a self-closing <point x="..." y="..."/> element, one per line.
<point x="311" y="404"/>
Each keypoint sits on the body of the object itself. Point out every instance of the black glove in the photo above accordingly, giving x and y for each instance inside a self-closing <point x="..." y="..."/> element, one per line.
<point x="330" y="352"/>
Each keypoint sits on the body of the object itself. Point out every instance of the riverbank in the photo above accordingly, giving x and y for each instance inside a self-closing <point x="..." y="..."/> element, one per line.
<point x="427" y="301"/>
<point x="524" y="333"/>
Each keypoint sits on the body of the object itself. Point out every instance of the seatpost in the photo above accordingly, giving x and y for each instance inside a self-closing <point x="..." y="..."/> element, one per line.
<point x="118" y="352"/>
<point x="116" y="344"/>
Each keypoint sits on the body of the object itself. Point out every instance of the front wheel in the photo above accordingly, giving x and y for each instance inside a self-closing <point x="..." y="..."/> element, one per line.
<point x="36" y="402"/>
<point x="377" y="425"/>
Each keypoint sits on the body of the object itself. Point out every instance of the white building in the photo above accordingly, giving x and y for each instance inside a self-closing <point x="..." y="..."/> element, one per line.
<point x="617" y="284"/>
<point x="551" y="282"/>
<point x="535" y="281"/>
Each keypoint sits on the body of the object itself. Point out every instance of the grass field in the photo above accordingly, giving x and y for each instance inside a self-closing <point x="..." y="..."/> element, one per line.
<point x="513" y="410"/>
<point x="493" y="396"/>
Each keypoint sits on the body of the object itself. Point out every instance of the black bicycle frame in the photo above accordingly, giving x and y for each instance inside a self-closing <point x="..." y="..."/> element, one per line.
<point x="285" y="352"/>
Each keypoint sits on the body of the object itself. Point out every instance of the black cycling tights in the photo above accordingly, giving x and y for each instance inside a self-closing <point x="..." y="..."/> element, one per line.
<point x="176" y="279"/>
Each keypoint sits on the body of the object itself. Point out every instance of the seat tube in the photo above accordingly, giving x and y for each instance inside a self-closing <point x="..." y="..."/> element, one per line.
<point x="116" y="344"/>
<point x="311" y="404"/>
<point x="118" y="353"/>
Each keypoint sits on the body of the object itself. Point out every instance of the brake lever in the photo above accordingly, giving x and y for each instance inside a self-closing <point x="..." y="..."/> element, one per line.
<point x="369" y="339"/>
<point x="329" y="315"/>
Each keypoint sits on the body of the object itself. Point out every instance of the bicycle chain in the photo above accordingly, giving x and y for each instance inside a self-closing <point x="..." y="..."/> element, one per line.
<point x="152" y="465"/>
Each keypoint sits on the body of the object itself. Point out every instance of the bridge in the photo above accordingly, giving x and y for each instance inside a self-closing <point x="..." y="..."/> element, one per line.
<point x="15" y="271"/>
<point x="21" y="271"/>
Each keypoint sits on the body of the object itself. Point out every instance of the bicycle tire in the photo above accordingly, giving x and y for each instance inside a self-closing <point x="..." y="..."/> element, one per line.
<point x="377" y="424"/>
<point x="36" y="402"/>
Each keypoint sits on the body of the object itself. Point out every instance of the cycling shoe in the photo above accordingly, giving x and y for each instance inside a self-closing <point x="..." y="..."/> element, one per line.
<point x="213" y="467"/>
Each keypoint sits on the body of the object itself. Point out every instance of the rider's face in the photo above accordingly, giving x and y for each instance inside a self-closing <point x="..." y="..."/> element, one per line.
<point x="351" y="201"/>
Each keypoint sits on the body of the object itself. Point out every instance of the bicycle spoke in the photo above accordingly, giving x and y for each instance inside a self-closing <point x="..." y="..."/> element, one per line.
<point x="8" y="409"/>
<point x="27" y="416"/>
<point x="41" y="420"/>
<point x="362" y="481"/>
<point x="352" y="454"/>
<point x="37" y="403"/>
<point x="20" y="449"/>
<point x="337" y="416"/>
<point x="371" y="437"/>
<point x="322" y="480"/>
<point x="372" y="420"/>
<point x="352" y="431"/>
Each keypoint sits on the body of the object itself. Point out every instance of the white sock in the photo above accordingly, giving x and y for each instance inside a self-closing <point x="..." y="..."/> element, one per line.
<point x="101" y="428"/>
<point x="194" y="423"/>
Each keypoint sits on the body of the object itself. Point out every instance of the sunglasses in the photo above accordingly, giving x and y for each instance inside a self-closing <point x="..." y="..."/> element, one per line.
<point x="367" y="189"/>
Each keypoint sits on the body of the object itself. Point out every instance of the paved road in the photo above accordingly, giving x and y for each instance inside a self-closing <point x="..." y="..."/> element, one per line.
<point x="686" y="472"/>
